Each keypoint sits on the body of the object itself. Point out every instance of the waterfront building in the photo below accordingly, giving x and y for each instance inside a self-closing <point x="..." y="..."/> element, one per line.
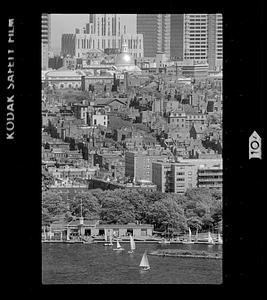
<point x="87" y="228"/>
<point x="45" y="39"/>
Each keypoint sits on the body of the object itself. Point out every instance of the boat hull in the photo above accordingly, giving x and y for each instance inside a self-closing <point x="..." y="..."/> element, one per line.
<point x="145" y="268"/>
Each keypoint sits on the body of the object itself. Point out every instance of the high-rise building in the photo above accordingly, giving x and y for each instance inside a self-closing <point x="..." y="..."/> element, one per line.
<point x="203" y="39"/>
<point x="104" y="31"/>
<point x="215" y="41"/>
<point x="177" y="36"/>
<point x="138" y="165"/>
<point x="45" y="39"/>
<point x="195" y="36"/>
<point x="177" y="177"/>
<point x="156" y="33"/>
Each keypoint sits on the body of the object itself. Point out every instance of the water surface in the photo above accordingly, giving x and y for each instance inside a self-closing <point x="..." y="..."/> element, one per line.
<point x="99" y="264"/>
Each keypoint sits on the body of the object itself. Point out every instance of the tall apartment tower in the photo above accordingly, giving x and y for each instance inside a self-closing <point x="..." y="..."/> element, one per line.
<point x="215" y="41"/>
<point x="156" y="33"/>
<point x="45" y="39"/>
<point x="203" y="38"/>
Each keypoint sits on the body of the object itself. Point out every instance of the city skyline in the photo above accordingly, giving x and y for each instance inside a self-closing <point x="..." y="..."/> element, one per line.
<point x="66" y="23"/>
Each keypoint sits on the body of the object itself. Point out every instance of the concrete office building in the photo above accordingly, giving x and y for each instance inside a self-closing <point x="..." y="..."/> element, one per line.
<point x="215" y="41"/>
<point x="195" y="36"/>
<point x="156" y="33"/>
<point x="45" y="39"/>
<point x="138" y="165"/>
<point x="160" y="175"/>
<point x="183" y="177"/>
<point x="177" y="177"/>
<point x="203" y="39"/>
<point x="210" y="176"/>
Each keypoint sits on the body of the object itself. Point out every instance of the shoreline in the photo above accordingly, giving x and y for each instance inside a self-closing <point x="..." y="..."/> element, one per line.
<point x="136" y="241"/>
<point x="186" y="256"/>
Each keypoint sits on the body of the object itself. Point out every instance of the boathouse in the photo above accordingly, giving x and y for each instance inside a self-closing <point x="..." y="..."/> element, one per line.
<point x="87" y="228"/>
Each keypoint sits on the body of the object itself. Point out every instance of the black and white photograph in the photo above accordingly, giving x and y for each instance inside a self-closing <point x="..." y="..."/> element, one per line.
<point x="133" y="149"/>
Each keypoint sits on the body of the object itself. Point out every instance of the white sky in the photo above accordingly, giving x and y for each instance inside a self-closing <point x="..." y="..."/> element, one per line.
<point x="66" y="23"/>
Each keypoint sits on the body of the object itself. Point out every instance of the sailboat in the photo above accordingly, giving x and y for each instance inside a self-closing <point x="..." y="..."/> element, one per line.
<point x="219" y="240"/>
<point x="189" y="240"/>
<point x="210" y="239"/>
<point x="144" y="264"/>
<point x="50" y="233"/>
<point x="119" y="247"/>
<point x="44" y="235"/>
<point x="196" y="236"/>
<point x="164" y="241"/>
<point x="110" y="239"/>
<point x="132" y="245"/>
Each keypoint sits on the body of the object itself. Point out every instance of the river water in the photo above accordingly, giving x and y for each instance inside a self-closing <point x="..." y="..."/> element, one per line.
<point x="98" y="264"/>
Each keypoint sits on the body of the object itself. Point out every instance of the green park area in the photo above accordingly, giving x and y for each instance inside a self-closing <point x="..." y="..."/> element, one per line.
<point x="199" y="208"/>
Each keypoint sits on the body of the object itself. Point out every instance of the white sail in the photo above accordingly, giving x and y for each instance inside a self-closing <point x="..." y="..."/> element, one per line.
<point x="132" y="243"/>
<point x="144" y="262"/>
<point x="118" y="244"/>
<point x="210" y="239"/>
<point x="44" y="233"/>
<point x="196" y="238"/>
<point x="219" y="239"/>
<point x="189" y="234"/>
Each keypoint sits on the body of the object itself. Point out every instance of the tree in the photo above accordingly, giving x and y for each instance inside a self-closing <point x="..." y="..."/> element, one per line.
<point x="52" y="204"/>
<point x="116" y="210"/>
<point x="167" y="212"/>
<point x="90" y="205"/>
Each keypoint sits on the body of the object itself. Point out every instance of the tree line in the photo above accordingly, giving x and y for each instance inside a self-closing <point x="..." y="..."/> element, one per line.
<point x="199" y="208"/>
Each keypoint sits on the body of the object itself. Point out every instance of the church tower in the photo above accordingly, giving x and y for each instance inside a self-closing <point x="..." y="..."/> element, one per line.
<point x="124" y="46"/>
